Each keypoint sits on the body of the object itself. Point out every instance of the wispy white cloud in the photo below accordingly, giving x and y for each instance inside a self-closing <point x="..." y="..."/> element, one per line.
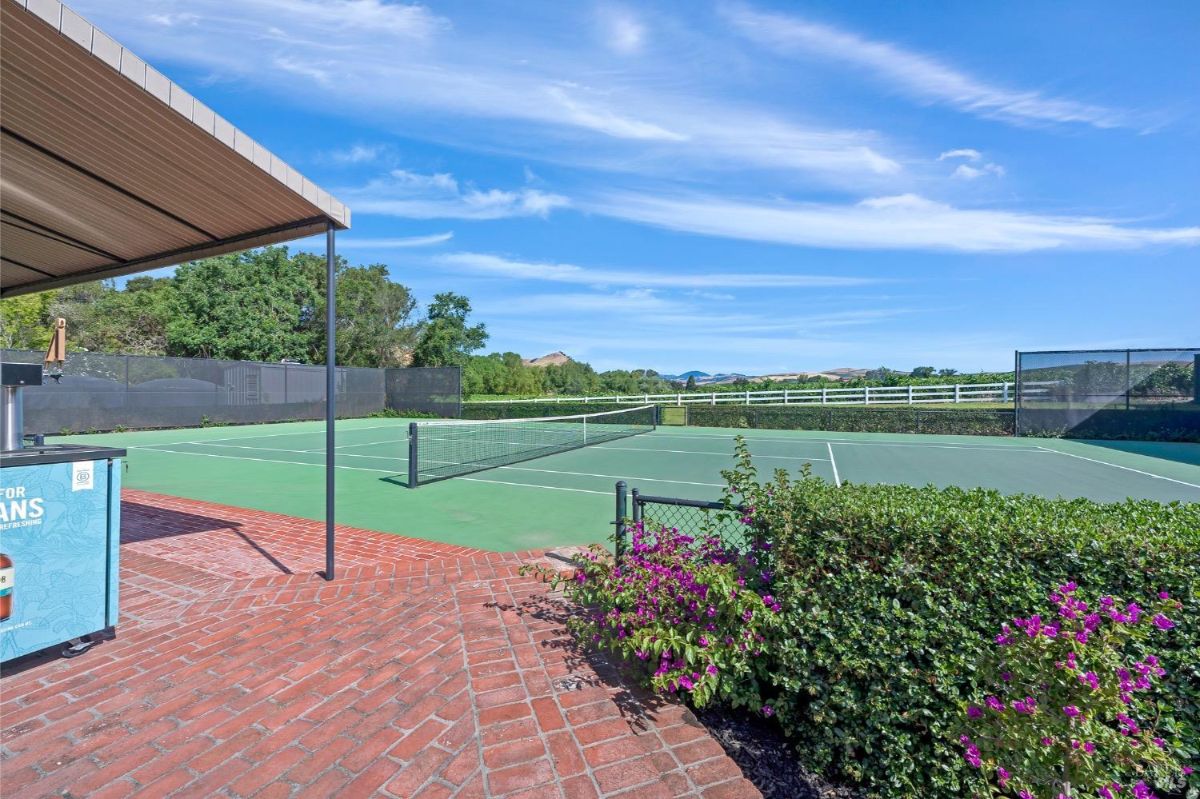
<point x="604" y="120"/>
<point x="918" y="74"/>
<point x="621" y="30"/>
<point x="966" y="152"/>
<point x="440" y="196"/>
<point x="902" y="222"/>
<point x="403" y="65"/>
<point x="358" y="154"/>
<point x="405" y="242"/>
<point x="965" y="172"/>
<point x="497" y="266"/>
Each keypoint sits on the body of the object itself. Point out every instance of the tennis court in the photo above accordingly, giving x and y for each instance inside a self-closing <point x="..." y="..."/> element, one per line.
<point x="567" y="497"/>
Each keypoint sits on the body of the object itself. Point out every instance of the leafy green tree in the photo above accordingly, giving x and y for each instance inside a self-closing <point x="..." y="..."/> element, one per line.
<point x="250" y="306"/>
<point x="447" y="340"/>
<point x="374" y="315"/>
<point x="25" y="322"/>
<point x="923" y="371"/>
<point x="691" y="383"/>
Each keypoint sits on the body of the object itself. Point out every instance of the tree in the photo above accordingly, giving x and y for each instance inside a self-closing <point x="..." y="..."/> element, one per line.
<point x="250" y="306"/>
<point x="374" y="317"/>
<point x="947" y="372"/>
<point x="446" y="339"/>
<point x="25" y="322"/>
<point x="923" y="371"/>
<point x="691" y="383"/>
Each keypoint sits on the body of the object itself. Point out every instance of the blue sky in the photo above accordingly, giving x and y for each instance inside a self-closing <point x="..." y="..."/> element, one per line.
<point x="747" y="186"/>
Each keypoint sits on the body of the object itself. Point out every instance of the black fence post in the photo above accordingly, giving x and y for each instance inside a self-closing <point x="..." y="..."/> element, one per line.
<point x="1196" y="379"/>
<point x="1128" y="377"/>
<point x="637" y="507"/>
<point x="413" y="470"/>
<point x="622" y="514"/>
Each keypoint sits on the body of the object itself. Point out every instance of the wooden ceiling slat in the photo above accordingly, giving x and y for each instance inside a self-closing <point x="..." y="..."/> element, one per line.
<point x="129" y="181"/>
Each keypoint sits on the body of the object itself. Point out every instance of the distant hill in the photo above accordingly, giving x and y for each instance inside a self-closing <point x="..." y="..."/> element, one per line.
<point x="553" y="359"/>
<point x="706" y="379"/>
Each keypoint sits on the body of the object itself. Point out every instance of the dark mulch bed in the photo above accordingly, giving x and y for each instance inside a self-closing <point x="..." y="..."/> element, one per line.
<point x="766" y="758"/>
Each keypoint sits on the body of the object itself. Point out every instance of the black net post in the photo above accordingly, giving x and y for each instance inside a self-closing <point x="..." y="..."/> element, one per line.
<point x="622" y="513"/>
<point x="413" y="470"/>
<point x="1128" y="377"/>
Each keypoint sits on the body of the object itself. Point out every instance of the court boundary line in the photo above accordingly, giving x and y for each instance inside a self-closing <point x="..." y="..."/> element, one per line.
<point x="264" y="435"/>
<point x="855" y="441"/>
<point x="837" y="481"/>
<point x="729" y="455"/>
<point x="1119" y="466"/>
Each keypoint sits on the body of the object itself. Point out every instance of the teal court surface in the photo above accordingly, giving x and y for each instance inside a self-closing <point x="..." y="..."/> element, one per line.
<point x="567" y="498"/>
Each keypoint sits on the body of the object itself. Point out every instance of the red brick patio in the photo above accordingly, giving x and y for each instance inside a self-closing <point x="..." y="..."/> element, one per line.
<point x="424" y="671"/>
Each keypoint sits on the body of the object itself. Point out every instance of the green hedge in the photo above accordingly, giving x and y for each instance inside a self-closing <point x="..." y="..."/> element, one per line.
<point x="976" y="422"/>
<point x="1111" y="424"/>
<point x="892" y="594"/>
<point x="525" y="410"/>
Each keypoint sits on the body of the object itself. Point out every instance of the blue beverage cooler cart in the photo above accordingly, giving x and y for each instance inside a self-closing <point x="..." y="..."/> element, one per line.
<point x="60" y="530"/>
<point x="59" y="535"/>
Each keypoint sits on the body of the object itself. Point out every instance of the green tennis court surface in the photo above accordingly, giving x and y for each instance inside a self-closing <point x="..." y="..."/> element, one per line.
<point x="567" y="498"/>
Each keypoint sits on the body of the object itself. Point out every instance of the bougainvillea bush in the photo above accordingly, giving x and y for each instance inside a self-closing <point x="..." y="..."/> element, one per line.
<point x="863" y="625"/>
<point x="1071" y="710"/>
<point x="891" y="596"/>
<point x="689" y="614"/>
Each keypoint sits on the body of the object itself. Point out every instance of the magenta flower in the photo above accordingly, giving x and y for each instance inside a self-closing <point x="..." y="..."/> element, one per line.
<point x="1071" y="711"/>
<point x="1162" y="622"/>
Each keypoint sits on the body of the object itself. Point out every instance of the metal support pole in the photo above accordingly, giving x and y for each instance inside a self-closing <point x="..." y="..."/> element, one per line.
<point x="414" y="472"/>
<point x="330" y="394"/>
<point x="622" y="508"/>
<point x="637" y="507"/>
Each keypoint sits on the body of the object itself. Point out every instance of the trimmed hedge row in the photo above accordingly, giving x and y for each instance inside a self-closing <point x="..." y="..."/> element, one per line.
<point x="892" y="595"/>
<point x="976" y="422"/>
<point x="525" y="410"/>
<point x="787" y="417"/>
<point x="1107" y="424"/>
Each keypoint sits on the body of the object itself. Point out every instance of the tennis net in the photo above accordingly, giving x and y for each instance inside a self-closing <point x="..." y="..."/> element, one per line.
<point x="437" y="450"/>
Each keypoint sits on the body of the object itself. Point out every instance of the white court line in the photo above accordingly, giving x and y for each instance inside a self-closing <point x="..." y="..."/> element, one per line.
<point x="535" y="485"/>
<point x="854" y="441"/>
<point x="837" y="481"/>
<point x="393" y="471"/>
<point x="1117" y="466"/>
<point x="265" y="435"/>
<point x="614" y="476"/>
<point x="265" y="460"/>
<point x="694" y="452"/>
<point x="296" y="451"/>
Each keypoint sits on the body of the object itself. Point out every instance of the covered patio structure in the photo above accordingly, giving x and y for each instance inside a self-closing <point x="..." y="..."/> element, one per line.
<point x="424" y="672"/>
<point x="107" y="168"/>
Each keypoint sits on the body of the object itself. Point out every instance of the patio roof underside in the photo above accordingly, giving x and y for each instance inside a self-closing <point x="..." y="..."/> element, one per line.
<point x="107" y="168"/>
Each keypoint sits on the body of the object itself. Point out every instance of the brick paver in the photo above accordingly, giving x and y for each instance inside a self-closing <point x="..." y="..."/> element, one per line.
<point x="424" y="670"/>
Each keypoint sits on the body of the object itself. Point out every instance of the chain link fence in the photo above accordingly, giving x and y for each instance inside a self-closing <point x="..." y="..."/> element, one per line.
<point x="696" y="518"/>
<point x="1139" y="394"/>
<point x="110" y="392"/>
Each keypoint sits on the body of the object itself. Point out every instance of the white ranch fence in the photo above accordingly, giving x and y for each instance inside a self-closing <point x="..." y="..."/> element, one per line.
<point x="867" y="395"/>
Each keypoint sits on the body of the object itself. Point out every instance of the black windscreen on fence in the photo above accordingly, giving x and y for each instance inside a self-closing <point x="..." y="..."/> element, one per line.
<point x="1136" y="394"/>
<point x="108" y="392"/>
<point x="436" y="390"/>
